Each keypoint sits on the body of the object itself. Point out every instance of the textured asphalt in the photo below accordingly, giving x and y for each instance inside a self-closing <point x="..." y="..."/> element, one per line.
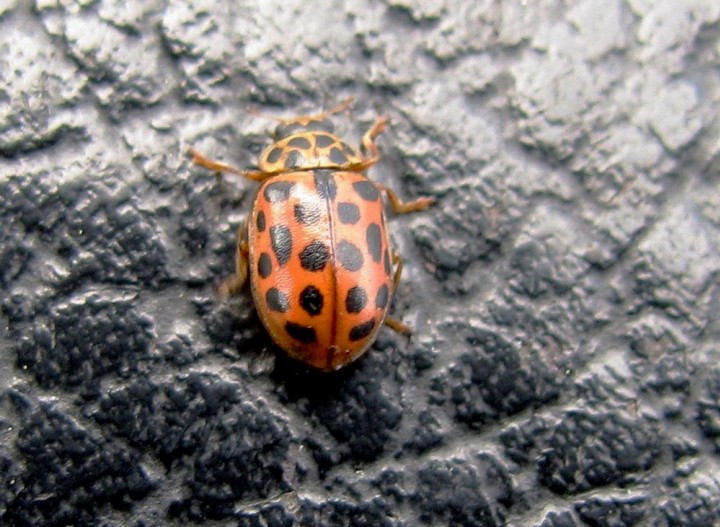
<point x="565" y="366"/>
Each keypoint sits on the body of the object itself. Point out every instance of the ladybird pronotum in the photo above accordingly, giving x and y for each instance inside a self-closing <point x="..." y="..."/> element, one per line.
<point x="315" y="246"/>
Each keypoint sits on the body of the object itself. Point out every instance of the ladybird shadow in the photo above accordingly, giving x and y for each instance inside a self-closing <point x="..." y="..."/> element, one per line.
<point x="298" y="380"/>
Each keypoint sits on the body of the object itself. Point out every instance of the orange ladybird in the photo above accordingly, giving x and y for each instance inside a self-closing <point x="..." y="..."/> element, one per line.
<point x="315" y="246"/>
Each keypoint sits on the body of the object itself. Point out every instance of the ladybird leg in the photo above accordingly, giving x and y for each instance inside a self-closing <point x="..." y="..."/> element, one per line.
<point x="305" y="119"/>
<point x="340" y="107"/>
<point x="368" y="145"/>
<point x="398" y="326"/>
<point x="219" y="166"/>
<point x="401" y="207"/>
<point x="398" y="263"/>
<point x="390" y="322"/>
<point x="235" y="283"/>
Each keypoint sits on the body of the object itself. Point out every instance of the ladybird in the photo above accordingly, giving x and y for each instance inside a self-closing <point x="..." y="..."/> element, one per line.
<point x="315" y="246"/>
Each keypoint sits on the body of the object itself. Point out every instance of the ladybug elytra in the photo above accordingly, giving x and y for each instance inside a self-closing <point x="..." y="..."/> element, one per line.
<point x="315" y="246"/>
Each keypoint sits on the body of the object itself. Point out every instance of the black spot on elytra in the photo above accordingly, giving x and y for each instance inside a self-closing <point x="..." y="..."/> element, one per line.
<point x="374" y="243"/>
<point x="366" y="190"/>
<point x="314" y="256"/>
<point x="264" y="265"/>
<point x="260" y="221"/>
<point x="337" y="156"/>
<point x="274" y="155"/>
<point x="278" y="191"/>
<point x="361" y="331"/>
<point x="311" y="300"/>
<point x="323" y="140"/>
<point x="303" y="334"/>
<point x="350" y="256"/>
<point x="295" y="160"/>
<point x="300" y="142"/>
<point x="381" y="299"/>
<point x="307" y="213"/>
<point x="388" y="264"/>
<point x="349" y="213"/>
<point x="356" y="299"/>
<point x="277" y="300"/>
<point x="325" y="184"/>
<point x="281" y="241"/>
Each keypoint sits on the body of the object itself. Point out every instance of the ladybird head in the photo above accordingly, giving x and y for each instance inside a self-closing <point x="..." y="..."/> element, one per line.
<point x="310" y="123"/>
<point x="303" y="124"/>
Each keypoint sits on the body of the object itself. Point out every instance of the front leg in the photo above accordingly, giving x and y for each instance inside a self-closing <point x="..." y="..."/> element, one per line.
<point x="218" y="166"/>
<point x="368" y="145"/>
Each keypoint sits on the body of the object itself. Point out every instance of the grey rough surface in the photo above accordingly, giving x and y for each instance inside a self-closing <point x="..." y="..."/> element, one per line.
<point x="565" y="368"/>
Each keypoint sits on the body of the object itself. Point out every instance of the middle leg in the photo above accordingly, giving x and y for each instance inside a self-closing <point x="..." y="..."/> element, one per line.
<point x="391" y="322"/>
<point x="402" y="207"/>
<point x="233" y="284"/>
<point x="218" y="166"/>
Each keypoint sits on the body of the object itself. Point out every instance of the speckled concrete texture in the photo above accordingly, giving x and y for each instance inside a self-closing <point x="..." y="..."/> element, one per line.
<point x="565" y="366"/>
